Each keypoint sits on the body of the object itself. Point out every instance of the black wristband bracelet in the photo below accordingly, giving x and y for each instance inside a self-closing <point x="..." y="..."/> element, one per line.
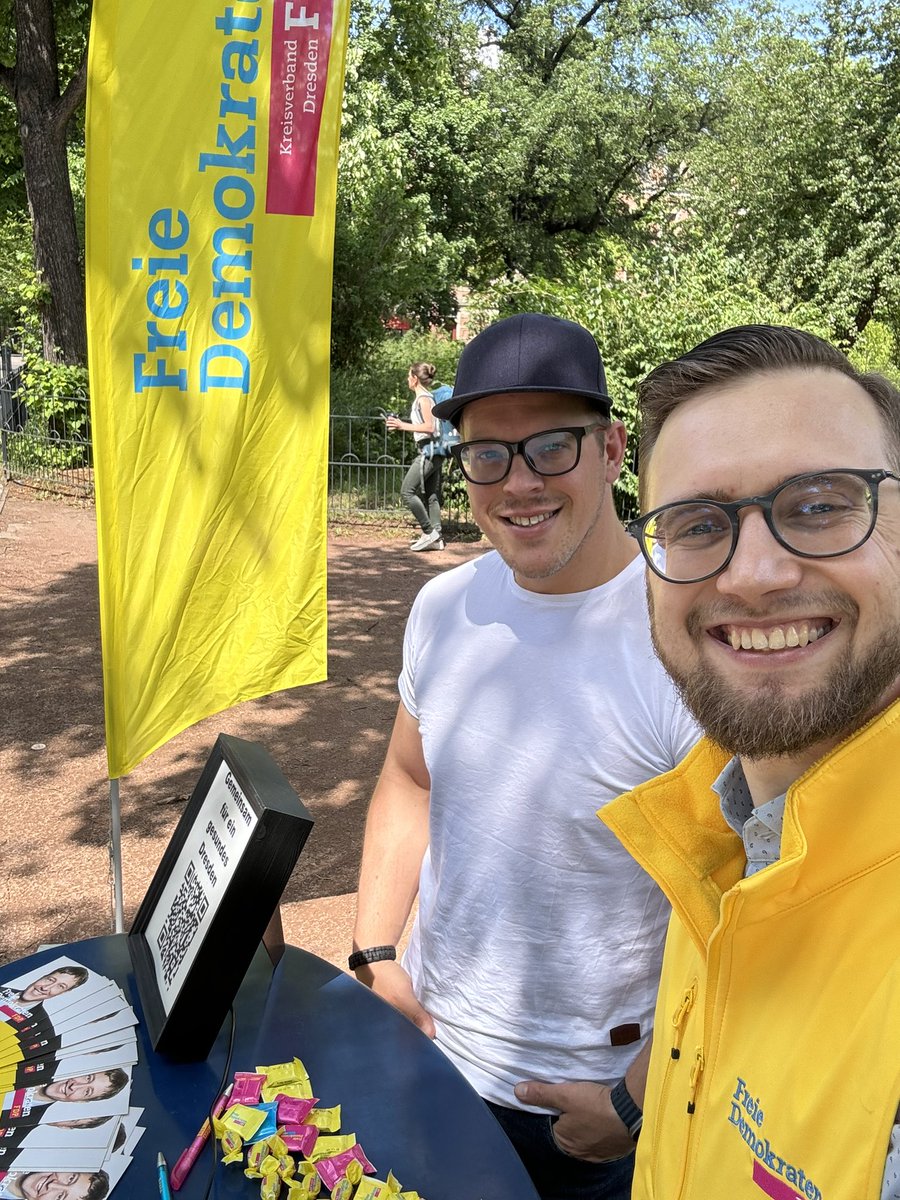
<point x="361" y="958"/>
<point x="626" y="1109"/>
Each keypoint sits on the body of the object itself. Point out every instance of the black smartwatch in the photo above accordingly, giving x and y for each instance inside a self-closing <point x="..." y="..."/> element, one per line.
<point x="626" y="1109"/>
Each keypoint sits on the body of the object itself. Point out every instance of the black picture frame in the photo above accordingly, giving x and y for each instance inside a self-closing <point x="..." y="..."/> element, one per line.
<point x="240" y="835"/>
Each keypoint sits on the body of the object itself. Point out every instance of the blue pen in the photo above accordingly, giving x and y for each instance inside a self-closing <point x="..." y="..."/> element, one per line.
<point x="163" y="1173"/>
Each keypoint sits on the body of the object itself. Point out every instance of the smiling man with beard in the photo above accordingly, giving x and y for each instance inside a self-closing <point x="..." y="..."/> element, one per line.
<point x="769" y="477"/>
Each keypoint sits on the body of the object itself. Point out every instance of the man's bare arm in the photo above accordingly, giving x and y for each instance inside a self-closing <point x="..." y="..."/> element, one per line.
<point x="395" y="841"/>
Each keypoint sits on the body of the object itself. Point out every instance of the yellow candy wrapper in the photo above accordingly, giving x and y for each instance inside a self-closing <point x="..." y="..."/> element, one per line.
<point x="342" y="1190"/>
<point x="232" y="1146"/>
<point x="377" y="1189"/>
<point x="326" y="1119"/>
<point x="354" y="1172"/>
<point x="280" y="1152"/>
<point x="327" y="1147"/>
<point x="298" y="1091"/>
<point x="270" y="1188"/>
<point x="372" y="1189"/>
<point x="286" y="1079"/>
<point x="314" y="1184"/>
<point x="303" y="1187"/>
<point x="255" y="1154"/>
<point x="242" y="1120"/>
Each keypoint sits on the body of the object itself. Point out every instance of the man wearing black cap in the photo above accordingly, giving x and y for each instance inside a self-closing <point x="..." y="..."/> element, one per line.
<point x="530" y="696"/>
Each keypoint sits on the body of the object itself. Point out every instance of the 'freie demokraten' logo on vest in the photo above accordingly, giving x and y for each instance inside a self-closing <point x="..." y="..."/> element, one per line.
<point x="772" y="1174"/>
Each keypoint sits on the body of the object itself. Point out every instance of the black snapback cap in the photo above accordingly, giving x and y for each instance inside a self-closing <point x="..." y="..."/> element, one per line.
<point x="530" y="352"/>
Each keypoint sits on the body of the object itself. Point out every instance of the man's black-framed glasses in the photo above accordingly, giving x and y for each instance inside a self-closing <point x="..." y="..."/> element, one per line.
<point x="822" y="514"/>
<point x="551" y="452"/>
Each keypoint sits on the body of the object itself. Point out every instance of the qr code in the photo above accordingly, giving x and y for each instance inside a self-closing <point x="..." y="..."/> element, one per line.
<point x="187" y="912"/>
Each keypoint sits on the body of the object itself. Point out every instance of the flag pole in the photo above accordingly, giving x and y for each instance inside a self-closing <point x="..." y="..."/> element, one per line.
<point x="115" y="853"/>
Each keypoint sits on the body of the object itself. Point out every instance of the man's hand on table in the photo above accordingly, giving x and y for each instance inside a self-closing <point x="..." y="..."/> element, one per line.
<point x="588" y="1126"/>
<point x="389" y="981"/>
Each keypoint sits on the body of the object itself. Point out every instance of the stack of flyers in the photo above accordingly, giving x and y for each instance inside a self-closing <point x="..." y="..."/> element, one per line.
<point x="67" y="1052"/>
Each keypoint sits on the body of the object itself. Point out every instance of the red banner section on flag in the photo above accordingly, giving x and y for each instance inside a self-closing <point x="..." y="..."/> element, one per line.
<point x="301" y="47"/>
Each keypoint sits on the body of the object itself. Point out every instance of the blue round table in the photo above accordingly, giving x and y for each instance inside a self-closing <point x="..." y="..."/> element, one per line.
<point x="411" y="1110"/>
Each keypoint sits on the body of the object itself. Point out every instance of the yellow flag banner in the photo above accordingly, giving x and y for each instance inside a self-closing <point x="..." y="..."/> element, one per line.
<point x="211" y="173"/>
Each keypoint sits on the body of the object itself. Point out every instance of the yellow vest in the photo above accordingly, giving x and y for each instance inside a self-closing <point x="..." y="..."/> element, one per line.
<point x="776" y="1051"/>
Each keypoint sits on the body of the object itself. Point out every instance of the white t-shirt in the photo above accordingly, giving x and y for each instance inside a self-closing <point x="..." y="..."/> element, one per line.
<point x="416" y="417"/>
<point x="537" y="933"/>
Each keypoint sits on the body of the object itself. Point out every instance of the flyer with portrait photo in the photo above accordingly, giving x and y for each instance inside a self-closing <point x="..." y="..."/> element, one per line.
<point x="67" y="1049"/>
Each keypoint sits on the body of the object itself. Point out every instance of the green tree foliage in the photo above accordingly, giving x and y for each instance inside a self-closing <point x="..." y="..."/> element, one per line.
<point x="598" y="106"/>
<point x="660" y="166"/>
<point x="479" y="142"/>
<point x="800" y="174"/>
<point x="647" y="307"/>
<point x="379" y="383"/>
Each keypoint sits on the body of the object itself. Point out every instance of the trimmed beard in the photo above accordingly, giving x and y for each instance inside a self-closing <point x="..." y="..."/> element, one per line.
<point x="767" y="723"/>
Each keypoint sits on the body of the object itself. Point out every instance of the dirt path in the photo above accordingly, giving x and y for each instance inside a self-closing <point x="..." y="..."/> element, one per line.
<point x="328" y="739"/>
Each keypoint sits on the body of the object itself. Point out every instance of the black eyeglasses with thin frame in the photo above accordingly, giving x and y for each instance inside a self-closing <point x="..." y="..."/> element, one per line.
<point x="820" y="514"/>
<point x="551" y="452"/>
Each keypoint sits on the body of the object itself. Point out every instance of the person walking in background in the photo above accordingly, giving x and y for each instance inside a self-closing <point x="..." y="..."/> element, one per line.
<point x="421" y="487"/>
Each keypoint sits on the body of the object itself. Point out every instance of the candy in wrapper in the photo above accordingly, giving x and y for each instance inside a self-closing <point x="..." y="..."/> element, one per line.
<point x="300" y="1090"/>
<point x="247" y="1087"/>
<point x="326" y="1119"/>
<point x="242" y="1120"/>
<point x="232" y="1146"/>
<point x="278" y="1149"/>
<point x="328" y="1147"/>
<point x="372" y="1189"/>
<point x="300" y="1139"/>
<point x="339" y="1165"/>
<point x="255" y="1154"/>
<point x="410" y="1196"/>
<point x="270" y="1188"/>
<point x="289" y="1079"/>
<point x="277" y="1146"/>
<point x="342" y="1190"/>
<point x="303" y="1187"/>
<point x="269" y="1126"/>
<point x="378" y="1189"/>
<point x="292" y="1110"/>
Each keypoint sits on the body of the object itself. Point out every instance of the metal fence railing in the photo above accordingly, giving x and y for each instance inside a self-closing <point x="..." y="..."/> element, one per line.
<point x="51" y="450"/>
<point x="366" y="466"/>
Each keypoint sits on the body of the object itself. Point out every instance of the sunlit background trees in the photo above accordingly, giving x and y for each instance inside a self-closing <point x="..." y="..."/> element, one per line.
<point x="656" y="169"/>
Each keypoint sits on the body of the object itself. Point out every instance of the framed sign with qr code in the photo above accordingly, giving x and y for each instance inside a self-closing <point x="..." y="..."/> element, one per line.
<point x="213" y="894"/>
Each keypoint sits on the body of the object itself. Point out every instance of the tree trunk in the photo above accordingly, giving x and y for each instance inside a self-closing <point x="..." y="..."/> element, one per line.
<point x="56" y="250"/>
<point x="43" y="116"/>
